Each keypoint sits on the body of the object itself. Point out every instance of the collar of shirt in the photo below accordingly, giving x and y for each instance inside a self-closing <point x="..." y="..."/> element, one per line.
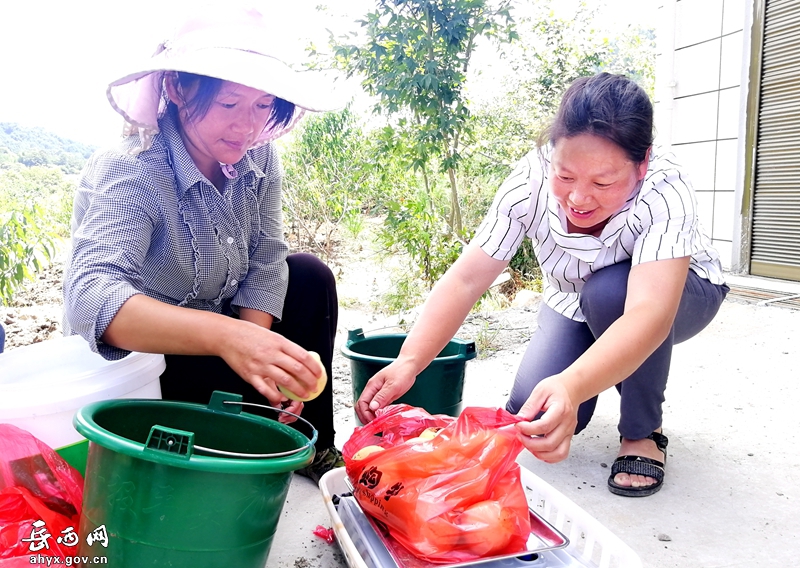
<point x="585" y="247"/>
<point x="186" y="172"/>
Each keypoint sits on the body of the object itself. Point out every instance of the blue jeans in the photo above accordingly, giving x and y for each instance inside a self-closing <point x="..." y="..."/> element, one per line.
<point x="558" y="341"/>
<point x="2" y="338"/>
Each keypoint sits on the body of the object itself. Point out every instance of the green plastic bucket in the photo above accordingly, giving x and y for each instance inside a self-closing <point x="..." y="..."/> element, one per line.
<point x="185" y="485"/>
<point x="439" y="388"/>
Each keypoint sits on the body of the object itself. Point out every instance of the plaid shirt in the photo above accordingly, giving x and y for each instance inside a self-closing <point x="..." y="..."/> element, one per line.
<point x="153" y="224"/>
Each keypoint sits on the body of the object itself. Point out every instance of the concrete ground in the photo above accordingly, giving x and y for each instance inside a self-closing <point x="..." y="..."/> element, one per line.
<point x="732" y="491"/>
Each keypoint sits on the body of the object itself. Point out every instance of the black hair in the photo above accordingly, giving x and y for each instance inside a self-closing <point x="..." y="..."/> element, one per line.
<point x="207" y="89"/>
<point x="610" y="106"/>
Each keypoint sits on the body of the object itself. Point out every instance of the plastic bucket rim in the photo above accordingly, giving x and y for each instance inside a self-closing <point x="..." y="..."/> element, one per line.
<point x="77" y="386"/>
<point x="350" y="354"/>
<point x="86" y="425"/>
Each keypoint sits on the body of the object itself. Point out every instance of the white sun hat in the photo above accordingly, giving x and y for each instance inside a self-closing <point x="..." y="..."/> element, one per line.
<point x="232" y="43"/>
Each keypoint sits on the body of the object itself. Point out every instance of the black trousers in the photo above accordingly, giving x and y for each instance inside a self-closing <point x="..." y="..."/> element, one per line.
<point x="310" y="314"/>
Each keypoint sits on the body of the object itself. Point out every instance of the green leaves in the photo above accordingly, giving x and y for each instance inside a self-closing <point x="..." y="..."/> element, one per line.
<point x="414" y="61"/>
<point x="329" y="175"/>
<point x="23" y="246"/>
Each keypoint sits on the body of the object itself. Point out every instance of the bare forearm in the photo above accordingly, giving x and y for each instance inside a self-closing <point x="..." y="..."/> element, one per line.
<point x="257" y="317"/>
<point x="149" y="326"/>
<point x="448" y="305"/>
<point x="654" y="293"/>
<point x="616" y="354"/>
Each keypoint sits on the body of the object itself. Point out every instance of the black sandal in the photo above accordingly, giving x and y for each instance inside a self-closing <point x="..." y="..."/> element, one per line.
<point x="638" y="465"/>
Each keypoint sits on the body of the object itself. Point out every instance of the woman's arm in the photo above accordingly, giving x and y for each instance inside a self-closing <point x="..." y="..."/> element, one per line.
<point x="261" y="357"/>
<point x="654" y="294"/>
<point x="442" y="314"/>
<point x="257" y="317"/>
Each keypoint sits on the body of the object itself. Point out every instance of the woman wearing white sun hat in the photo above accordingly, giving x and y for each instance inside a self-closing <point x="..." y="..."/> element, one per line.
<point x="177" y="234"/>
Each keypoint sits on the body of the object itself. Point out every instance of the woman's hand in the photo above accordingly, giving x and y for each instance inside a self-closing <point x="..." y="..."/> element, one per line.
<point x="386" y="386"/>
<point x="266" y="359"/>
<point x="549" y="437"/>
<point x="293" y="406"/>
<point x="261" y="357"/>
<point x="654" y="293"/>
<point x="440" y="317"/>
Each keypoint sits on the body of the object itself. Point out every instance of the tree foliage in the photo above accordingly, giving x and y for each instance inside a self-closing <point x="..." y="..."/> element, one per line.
<point x="330" y="177"/>
<point x="35" y="200"/>
<point x="24" y="245"/>
<point x="553" y="51"/>
<point x="44" y="189"/>
<point x="414" y="60"/>
<point x="38" y="147"/>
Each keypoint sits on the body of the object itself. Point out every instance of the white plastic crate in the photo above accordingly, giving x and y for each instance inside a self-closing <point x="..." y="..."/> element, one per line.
<point x="591" y="544"/>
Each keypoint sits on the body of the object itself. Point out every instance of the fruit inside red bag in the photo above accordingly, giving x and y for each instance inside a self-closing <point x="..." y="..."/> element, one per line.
<point x="453" y="497"/>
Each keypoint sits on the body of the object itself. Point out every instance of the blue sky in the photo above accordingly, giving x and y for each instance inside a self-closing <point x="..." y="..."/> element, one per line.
<point x="59" y="55"/>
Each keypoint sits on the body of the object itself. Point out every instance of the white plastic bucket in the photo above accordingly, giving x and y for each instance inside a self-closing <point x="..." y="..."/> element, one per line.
<point x="43" y="385"/>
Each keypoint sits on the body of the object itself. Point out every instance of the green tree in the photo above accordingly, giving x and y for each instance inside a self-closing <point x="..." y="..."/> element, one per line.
<point x="45" y="187"/>
<point x="38" y="147"/>
<point x="552" y="52"/>
<point x="414" y="60"/>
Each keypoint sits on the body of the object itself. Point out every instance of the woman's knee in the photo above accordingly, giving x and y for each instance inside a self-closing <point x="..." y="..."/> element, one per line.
<point x="602" y="298"/>
<point x="307" y="268"/>
<point x="312" y="290"/>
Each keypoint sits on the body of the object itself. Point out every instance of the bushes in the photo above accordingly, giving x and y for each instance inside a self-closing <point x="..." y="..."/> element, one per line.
<point x="35" y="210"/>
<point x="24" y="246"/>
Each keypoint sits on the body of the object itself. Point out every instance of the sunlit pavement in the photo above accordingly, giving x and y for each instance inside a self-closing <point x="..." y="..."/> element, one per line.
<point x="732" y="487"/>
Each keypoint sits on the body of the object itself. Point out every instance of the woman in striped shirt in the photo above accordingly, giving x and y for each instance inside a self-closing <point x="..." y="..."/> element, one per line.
<point x="627" y="270"/>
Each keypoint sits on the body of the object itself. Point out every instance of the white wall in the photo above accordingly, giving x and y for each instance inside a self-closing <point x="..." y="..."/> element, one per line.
<point x="700" y="104"/>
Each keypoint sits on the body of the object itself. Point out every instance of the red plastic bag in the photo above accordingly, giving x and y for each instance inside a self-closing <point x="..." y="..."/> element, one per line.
<point x="40" y="499"/>
<point x="454" y="498"/>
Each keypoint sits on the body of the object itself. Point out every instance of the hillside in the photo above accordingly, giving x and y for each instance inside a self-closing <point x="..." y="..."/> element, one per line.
<point x="35" y="146"/>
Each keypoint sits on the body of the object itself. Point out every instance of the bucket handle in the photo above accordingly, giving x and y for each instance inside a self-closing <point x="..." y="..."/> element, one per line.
<point x="308" y="444"/>
<point x="358" y="333"/>
<point x="181" y="443"/>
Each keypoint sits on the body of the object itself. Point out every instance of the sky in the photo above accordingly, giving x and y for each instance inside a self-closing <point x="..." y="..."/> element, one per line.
<point x="58" y="56"/>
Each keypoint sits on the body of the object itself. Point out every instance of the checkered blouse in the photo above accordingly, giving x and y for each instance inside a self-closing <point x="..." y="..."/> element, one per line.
<point x="153" y="224"/>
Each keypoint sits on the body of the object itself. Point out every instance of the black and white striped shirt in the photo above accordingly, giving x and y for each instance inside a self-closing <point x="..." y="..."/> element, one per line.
<point x="153" y="224"/>
<point x="659" y="221"/>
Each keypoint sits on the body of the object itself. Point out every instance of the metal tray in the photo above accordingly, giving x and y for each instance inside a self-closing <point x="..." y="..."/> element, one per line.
<point x="543" y="537"/>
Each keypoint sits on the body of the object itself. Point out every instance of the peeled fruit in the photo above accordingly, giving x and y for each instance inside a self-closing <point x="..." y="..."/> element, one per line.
<point x="429" y="433"/>
<point x="365" y="451"/>
<point x="322" y="380"/>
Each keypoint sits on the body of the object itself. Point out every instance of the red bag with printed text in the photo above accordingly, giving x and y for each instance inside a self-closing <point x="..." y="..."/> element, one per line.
<point x="454" y="497"/>
<point x="40" y="499"/>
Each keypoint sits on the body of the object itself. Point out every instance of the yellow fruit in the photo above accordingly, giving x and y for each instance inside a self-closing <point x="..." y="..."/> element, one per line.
<point x="322" y="380"/>
<point x="429" y="433"/>
<point x="365" y="451"/>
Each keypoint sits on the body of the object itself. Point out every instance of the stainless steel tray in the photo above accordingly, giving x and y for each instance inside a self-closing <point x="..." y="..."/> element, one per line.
<point x="543" y="537"/>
